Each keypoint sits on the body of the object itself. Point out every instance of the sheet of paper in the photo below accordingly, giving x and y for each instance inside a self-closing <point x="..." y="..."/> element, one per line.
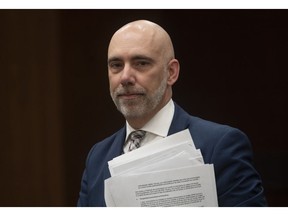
<point x="168" y="172"/>
<point x="158" y="146"/>
<point x="156" y="157"/>
<point x="181" y="159"/>
<point x="107" y="195"/>
<point x="189" y="186"/>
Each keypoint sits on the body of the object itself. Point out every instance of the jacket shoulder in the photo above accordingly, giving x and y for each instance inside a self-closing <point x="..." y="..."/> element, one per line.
<point x="111" y="145"/>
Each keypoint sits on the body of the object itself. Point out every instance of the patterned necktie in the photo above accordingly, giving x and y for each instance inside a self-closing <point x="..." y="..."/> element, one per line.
<point x="135" y="139"/>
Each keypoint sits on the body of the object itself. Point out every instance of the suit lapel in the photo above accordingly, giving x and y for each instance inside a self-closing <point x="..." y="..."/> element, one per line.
<point x="115" y="150"/>
<point x="180" y="120"/>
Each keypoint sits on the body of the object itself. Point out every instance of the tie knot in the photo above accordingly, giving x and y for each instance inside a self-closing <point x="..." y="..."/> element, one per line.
<point x="135" y="138"/>
<point x="138" y="134"/>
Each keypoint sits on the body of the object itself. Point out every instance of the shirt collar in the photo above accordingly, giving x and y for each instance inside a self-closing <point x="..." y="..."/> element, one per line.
<point x="160" y="123"/>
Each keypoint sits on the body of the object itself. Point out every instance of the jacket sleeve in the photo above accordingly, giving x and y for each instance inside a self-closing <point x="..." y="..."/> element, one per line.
<point x="83" y="200"/>
<point x="84" y="190"/>
<point x="238" y="183"/>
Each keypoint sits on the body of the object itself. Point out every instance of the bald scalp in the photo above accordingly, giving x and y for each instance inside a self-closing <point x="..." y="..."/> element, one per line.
<point x="152" y="31"/>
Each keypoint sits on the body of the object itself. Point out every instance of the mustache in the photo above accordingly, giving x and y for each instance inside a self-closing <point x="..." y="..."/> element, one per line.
<point x="128" y="91"/>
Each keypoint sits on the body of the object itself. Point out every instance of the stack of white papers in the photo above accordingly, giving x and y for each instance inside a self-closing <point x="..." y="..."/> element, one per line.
<point x="169" y="172"/>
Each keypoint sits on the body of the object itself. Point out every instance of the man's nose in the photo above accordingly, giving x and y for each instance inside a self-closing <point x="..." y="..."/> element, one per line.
<point x="128" y="76"/>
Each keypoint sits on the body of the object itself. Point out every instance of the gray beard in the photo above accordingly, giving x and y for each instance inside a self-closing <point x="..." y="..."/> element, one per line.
<point x="142" y="105"/>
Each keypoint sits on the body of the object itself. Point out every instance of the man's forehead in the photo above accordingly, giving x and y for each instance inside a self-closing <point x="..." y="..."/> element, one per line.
<point x="146" y="37"/>
<point x="133" y="35"/>
<point x="133" y="38"/>
<point x="134" y="47"/>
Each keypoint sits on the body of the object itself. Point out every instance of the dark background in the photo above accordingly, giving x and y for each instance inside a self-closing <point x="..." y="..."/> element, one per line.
<point x="55" y="102"/>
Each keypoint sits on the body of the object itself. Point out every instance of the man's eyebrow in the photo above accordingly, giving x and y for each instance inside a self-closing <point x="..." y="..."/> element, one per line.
<point x="142" y="57"/>
<point x="133" y="58"/>
<point x="114" y="59"/>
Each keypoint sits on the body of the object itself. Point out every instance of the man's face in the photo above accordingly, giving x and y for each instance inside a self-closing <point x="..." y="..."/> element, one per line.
<point x="137" y="75"/>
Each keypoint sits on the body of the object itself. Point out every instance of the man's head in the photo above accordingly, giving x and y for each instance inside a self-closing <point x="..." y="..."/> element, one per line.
<point x="142" y="69"/>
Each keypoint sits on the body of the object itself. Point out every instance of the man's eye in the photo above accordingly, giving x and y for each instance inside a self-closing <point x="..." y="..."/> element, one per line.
<point x="115" y="65"/>
<point x="142" y="63"/>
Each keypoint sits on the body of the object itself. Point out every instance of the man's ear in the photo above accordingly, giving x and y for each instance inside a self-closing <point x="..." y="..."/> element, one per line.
<point x="173" y="69"/>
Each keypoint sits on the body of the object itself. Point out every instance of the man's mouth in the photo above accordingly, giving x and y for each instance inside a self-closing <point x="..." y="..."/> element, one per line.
<point x="130" y="96"/>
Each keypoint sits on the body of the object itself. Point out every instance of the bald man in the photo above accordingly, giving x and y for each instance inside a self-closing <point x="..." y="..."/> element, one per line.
<point x="142" y="70"/>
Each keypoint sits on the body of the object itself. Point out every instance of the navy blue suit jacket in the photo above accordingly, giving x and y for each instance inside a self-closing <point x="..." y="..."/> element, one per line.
<point x="237" y="181"/>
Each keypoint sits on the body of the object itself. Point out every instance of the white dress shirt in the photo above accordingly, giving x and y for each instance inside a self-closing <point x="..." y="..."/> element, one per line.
<point x="157" y="127"/>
